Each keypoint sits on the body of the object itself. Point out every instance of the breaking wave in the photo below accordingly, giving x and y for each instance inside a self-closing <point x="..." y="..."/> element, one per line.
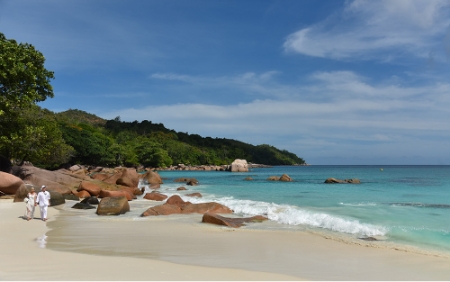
<point x="293" y="215"/>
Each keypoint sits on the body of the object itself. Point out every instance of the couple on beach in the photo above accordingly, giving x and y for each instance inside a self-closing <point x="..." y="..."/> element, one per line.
<point x="32" y="200"/>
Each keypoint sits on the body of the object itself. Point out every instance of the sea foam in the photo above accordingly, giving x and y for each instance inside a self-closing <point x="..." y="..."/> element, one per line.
<point x="292" y="215"/>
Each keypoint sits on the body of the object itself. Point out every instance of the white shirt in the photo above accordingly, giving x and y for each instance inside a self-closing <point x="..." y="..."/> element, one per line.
<point x="43" y="198"/>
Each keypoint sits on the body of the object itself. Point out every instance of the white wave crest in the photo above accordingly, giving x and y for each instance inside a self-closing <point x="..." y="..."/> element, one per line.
<point x="292" y="215"/>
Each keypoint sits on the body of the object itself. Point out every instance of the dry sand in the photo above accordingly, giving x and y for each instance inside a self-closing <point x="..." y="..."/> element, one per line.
<point x="181" y="248"/>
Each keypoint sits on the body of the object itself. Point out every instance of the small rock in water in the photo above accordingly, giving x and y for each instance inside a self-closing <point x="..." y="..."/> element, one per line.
<point x="196" y="194"/>
<point x="91" y="201"/>
<point x="82" y="206"/>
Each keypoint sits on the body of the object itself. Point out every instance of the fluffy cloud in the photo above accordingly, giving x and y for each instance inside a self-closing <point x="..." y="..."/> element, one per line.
<point x="377" y="30"/>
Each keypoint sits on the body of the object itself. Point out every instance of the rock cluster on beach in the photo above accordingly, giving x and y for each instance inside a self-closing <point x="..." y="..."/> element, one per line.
<point x="114" y="186"/>
<point x="108" y="190"/>
<point x="84" y="181"/>
<point x="76" y="182"/>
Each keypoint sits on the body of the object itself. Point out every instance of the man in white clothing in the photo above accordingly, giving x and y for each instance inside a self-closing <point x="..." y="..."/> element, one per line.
<point x="43" y="200"/>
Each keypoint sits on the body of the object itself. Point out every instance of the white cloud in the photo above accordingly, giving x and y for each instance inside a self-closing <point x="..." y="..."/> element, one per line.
<point x="324" y="115"/>
<point x="173" y="76"/>
<point x="248" y="83"/>
<point x="348" y="102"/>
<point x="244" y="78"/>
<point x="345" y="84"/>
<point x="366" y="29"/>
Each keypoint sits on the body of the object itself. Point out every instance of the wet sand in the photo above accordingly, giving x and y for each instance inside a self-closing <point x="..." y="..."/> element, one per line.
<point x="82" y="246"/>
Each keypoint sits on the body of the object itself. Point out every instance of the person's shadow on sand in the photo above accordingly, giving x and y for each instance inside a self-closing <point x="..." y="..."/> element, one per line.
<point x="25" y="218"/>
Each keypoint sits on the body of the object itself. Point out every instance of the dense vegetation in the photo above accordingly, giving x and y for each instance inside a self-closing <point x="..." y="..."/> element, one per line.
<point x="26" y="131"/>
<point x="30" y="133"/>
<point x="115" y="142"/>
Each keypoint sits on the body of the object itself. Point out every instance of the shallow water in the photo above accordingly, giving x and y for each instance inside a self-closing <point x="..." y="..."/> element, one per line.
<point x="408" y="205"/>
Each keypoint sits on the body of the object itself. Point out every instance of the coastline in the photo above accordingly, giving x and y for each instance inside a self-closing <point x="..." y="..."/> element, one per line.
<point x="23" y="259"/>
<point x="181" y="248"/>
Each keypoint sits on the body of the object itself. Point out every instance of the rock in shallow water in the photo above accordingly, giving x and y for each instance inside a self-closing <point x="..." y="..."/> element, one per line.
<point x="231" y="222"/>
<point x="176" y="205"/>
<point x="285" y="178"/>
<point x="348" y="181"/>
<point x="90" y="200"/>
<point x="82" y="206"/>
<point x="195" y="194"/>
<point x="239" y="166"/>
<point x="155" y="196"/>
<point x="113" y="206"/>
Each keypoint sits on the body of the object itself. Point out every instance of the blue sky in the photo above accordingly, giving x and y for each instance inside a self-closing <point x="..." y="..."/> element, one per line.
<point x="336" y="82"/>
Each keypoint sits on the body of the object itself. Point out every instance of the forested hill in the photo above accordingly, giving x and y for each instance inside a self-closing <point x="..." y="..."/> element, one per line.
<point x="97" y="141"/>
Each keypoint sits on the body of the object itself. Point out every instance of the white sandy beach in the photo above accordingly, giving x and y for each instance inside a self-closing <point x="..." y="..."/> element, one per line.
<point x="22" y="258"/>
<point x="202" y="252"/>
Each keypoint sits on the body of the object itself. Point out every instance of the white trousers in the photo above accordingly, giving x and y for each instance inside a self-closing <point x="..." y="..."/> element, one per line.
<point x="43" y="211"/>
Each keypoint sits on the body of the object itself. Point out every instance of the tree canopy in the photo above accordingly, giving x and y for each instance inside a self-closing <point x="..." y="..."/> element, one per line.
<point x="154" y="145"/>
<point x="26" y="131"/>
<point x="23" y="78"/>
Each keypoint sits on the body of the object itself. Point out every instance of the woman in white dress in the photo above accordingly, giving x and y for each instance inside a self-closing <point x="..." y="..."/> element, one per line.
<point x="31" y="204"/>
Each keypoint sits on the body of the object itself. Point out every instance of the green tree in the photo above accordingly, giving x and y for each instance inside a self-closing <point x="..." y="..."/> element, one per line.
<point x="124" y="154"/>
<point x="151" y="154"/>
<point x="24" y="81"/>
<point x="23" y="78"/>
<point x="33" y="135"/>
<point x="90" y="144"/>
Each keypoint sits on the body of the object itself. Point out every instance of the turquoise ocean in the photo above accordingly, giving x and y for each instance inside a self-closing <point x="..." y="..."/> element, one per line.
<point x="405" y="206"/>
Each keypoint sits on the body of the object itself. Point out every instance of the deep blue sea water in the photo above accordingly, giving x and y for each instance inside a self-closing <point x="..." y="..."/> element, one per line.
<point x="406" y="205"/>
